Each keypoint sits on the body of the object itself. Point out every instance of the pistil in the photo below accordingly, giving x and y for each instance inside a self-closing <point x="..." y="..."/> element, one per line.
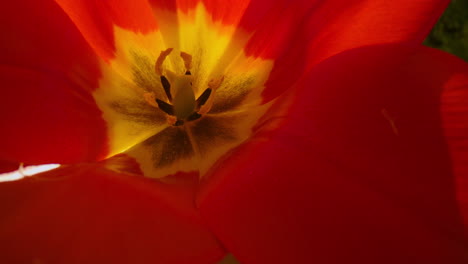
<point x="184" y="99"/>
<point x="181" y="105"/>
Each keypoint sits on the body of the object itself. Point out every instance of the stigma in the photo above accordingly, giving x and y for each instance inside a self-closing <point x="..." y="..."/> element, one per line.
<point x="180" y="104"/>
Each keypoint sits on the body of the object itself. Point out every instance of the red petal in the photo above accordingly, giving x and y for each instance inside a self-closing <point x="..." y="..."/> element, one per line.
<point x="336" y="27"/>
<point x="358" y="173"/>
<point x="8" y="166"/>
<point x="47" y="71"/>
<point x="228" y="12"/>
<point x="279" y="34"/>
<point x="455" y="116"/>
<point x="319" y="29"/>
<point x="88" y="214"/>
<point x="96" y="20"/>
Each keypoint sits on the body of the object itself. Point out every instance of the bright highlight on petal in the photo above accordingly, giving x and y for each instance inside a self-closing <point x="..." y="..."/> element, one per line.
<point x="27" y="171"/>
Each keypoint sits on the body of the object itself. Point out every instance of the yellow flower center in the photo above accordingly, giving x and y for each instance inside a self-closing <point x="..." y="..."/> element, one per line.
<point x="181" y="97"/>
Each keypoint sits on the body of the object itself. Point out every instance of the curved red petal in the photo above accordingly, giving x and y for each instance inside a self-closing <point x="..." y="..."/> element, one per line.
<point x="48" y="72"/>
<point x="279" y="34"/>
<point x="454" y="117"/>
<point x="8" y="166"/>
<point x="37" y="35"/>
<point x="359" y="172"/>
<point x="96" y="20"/>
<point x="89" y="214"/>
<point x="336" y="27"/>
<point x="316" y="30"/>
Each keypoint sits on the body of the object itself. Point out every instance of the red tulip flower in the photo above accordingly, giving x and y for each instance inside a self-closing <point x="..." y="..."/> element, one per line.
<point x="286" y="131"/>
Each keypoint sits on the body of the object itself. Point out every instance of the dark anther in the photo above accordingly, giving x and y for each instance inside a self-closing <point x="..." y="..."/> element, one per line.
<point x="193" y="116"/>
<point x="167" y="87"/>
<point x="179" y="123"/>
<point x="167" y="108"/>
<point x="188" y="72"/>
<point x="204" y="97"/>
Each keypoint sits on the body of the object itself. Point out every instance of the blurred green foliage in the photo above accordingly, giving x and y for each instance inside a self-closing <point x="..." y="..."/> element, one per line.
<point x="451" y="32"/>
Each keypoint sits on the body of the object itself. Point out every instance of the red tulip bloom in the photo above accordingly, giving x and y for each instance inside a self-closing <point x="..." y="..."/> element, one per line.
<point x="281" y="131"/>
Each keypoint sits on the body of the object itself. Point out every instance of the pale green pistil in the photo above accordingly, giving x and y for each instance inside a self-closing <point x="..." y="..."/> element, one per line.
<point x="183" y="100"/>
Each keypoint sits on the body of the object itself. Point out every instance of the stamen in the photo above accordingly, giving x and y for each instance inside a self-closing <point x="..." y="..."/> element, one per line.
<point x="214" y="84"/>
<point x="165" y="107"/>
<point x="182" y="107"/>
<point x="160" y="60"/>
<point x="179" y="123"/>
<point x="150" y="98"/>
<point x="167" y="87"/>
<point x="194" y="116"/>
<point x="203" y="97"/>
<point x="171" y="120"/>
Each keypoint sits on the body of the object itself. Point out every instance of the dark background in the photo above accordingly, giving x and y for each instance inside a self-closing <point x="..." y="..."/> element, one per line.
<point x="451" y="32"/>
